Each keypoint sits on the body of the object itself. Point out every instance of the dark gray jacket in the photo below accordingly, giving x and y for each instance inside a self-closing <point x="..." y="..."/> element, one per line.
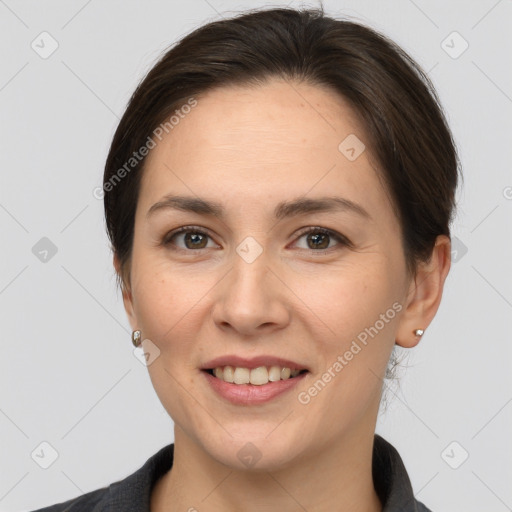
<point x="132" y="494"/>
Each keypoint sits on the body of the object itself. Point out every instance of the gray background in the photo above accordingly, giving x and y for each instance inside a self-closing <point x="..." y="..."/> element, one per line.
<point x="68" y="376"/>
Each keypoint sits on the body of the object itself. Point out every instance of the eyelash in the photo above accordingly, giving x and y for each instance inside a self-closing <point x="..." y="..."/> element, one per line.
<point x="342" y="240"/>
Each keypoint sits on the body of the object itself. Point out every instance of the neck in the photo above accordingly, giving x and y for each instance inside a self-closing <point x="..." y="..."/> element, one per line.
<point x="337" y="478"/>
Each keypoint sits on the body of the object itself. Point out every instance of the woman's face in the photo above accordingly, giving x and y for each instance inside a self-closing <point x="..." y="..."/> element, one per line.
<point x="253" y="287"/>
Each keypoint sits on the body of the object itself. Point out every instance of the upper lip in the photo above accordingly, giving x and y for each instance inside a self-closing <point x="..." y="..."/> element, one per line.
<point x="252" y="362"/>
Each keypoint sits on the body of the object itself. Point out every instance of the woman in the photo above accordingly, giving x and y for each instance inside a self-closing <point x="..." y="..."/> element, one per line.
<point x="278" y="196"/>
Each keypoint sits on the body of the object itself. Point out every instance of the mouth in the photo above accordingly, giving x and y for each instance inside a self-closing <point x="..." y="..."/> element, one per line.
<point x="253" y="381"/>
<point x="258" y="376"/>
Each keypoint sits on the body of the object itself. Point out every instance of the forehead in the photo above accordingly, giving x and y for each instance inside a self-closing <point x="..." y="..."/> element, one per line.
<point x="263" y="143"/>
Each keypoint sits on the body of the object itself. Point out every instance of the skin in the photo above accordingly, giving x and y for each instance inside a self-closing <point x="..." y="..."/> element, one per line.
<point x="249" y="149"/>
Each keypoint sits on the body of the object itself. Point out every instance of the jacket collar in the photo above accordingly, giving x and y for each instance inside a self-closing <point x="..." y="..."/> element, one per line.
<point x="390" y="478"/>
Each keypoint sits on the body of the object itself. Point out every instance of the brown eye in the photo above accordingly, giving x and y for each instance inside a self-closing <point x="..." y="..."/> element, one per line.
<point x="319" y="239"/>
<point x="195" y="240"/>
<point x="187" y="238"/>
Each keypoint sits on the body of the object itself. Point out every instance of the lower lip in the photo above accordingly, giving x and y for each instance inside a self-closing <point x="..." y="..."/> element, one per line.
<point x="248" y="394"/>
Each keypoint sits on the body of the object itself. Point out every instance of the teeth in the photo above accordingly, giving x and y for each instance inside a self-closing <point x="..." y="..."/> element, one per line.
<point x="241" y="376"/>
<point x="274" y="374"/>
<point x="256" y="376"/>
<point x="259" y="376"/>
<point x="228" y="375"/>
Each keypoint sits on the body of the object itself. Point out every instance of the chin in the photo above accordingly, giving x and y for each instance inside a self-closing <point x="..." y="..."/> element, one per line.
<point x="255" y="452"/>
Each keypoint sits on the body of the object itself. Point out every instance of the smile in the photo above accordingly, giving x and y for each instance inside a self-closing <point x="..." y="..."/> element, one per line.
<point x="256" y="376"/>
<point x="252" y="380"/>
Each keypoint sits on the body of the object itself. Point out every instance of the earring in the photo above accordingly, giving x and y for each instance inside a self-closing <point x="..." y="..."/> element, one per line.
<point x="136" y="338"/>
<point x="419" y="332"/>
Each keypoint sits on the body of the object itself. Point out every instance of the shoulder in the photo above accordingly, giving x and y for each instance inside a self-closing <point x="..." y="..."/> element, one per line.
<point x="132" y="493"/>
<point x="92" y="501"/>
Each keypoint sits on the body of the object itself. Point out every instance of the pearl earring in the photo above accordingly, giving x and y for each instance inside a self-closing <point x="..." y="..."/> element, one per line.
<point x="419" y="332"/>
<point x="136" y="338"/>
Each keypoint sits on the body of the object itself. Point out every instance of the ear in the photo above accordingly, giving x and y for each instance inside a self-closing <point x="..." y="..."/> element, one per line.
<point x="424" y="295"/>
<point x="127" y="294"/>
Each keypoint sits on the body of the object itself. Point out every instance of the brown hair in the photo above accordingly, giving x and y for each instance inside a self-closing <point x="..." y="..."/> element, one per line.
<point x="398" y="107"/>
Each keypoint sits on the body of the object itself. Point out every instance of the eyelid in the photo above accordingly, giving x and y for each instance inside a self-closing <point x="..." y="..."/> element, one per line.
<point x="166" y="240"/>
<point x="342" y="239"/>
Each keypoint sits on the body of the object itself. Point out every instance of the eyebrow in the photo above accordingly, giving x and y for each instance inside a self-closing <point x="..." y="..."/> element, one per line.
<point x="283" y="210"/>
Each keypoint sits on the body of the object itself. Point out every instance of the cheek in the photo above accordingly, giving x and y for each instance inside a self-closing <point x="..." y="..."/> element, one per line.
<point x="357" y="311"/>
<point x="168" y="310"/>
<point x="361" y="314"/>
<point x="165" y="296"/>
<point x="349" y="297"/>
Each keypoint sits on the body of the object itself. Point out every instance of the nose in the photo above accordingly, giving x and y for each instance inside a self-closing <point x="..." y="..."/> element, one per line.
<point x="252" y="298"/>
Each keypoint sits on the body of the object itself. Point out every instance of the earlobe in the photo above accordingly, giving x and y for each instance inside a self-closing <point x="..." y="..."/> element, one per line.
<point x="424" y="295"/>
